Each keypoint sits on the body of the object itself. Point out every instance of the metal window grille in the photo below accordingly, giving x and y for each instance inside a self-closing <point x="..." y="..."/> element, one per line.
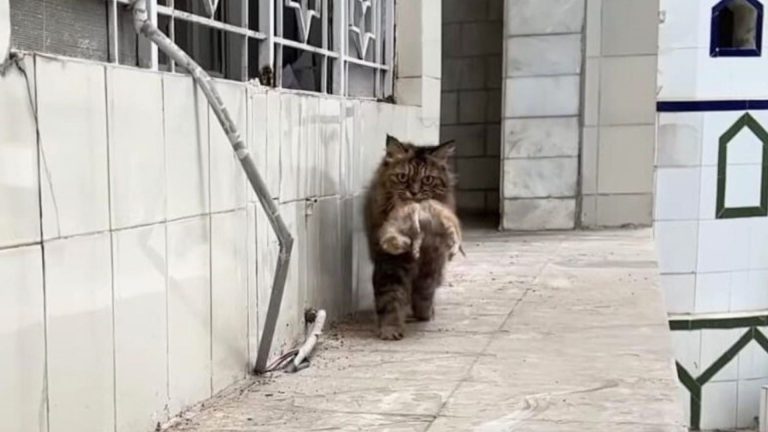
<point x="343" y="47"/>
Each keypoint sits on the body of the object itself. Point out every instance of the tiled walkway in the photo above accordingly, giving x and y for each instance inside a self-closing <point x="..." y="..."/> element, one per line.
<point x="551" y="332"/>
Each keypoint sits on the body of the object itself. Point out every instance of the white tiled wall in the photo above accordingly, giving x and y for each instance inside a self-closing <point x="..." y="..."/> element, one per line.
<point x="158" y="257"/>
<point x="618" y="119"/>
<point x="710" y="265"/>
<point x="688" y="71"/>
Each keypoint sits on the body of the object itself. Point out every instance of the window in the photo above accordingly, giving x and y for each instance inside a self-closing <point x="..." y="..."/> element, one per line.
<point x="341" y="47"/>
<point x="737" y="29"/>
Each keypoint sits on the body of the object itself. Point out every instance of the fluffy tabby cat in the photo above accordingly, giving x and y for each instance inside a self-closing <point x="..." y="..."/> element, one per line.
<point x="410" y="175"/>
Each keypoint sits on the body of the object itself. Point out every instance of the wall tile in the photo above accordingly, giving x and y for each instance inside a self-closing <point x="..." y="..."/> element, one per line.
<point x="324" y="268"/>
<point x="723" y="245"/>
<point x="625" y="159"/>
<point x="743" y="185"/>
<point x="229" y="298"/>
<point x="492" y="202"/>
<point x="409" y="17"/>
<point x="537" y="178"/>
<point x="451" y="41"/>
<point x="18" y="152"/>
<point x="228" y="180"/>
<point x="591" y="103"/>
<point x="493" y="140"/>
<point x="678" y="75"/>
<point x="542" y="96"/>
<point x="473" y="106"/>
<point x="622" y="210"/>
<point x="713" y="292"/>
<point x="478" y="173"/>
<point x="258" y="130"/>
<point x="253" y="264"/>
<point x="630" y="27"/>
<point x="75" y="195"/>
<point x="715" y="124"/>
<point x="588" y="211"/>
<point x="482" y="37"/>
<point x="753" y="362"/>
<point x="470" y="139"/>
<point x="708" y="193"/>
<point x="493" y="106"/>
<point x="677" y="246"/>
<point x="186" y="147"/>
<point x="524" y="17"/>
<point x="290" y="140"/>
<point x="589" y="146"/>
<point x="329" y="147"/>
<point x="541" y="137"/>
<point x="471" y="201"/>
<point x="628" y="104"/>
<point x="463" y="11"/>
<point x="679" y="290"/>
<point x="594" y="27"/>
<point x="714" y="343"/>
<point x="493" y="72"/>
<point x="189" y="312"/>
<point x="78" y="286"/>
<point x="449" y="109"/>
<point x="758" y="236"/>
<point x="141" y="339"/>
<point x="309" y="148"/>
<point x="273" y="142"/>
<point x="718" y="405"/>
<point x="538" y="214"/>
<point x="677" y="193"/>
<point x="136" y="154"/>
<point x="543" y="55"/>
<point x="687" y="351"/>
<point x="471" y="72"/>
<point x="748" y="409"/>
<point x="681" y="25"/>
<point x="679" y="139"/>
<point x="22" y="339"/>
<point x="748" y="291"/>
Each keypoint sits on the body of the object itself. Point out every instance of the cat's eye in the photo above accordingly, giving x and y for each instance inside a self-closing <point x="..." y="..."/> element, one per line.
<point x="428" y="180"/>
<point x="402" y="177"/>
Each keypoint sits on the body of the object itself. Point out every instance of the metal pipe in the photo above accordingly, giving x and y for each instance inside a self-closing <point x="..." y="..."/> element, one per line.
<point x="309" y="344"/>
<point x="145" y="27"/>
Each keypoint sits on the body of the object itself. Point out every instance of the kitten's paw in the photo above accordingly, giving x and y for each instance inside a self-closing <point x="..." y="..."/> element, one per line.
<point x="455" y="249"/>
<point x="391" y="333"/>
<point x="395" y="244"/>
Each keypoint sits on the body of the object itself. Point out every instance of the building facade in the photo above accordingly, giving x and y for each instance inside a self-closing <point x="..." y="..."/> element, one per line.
<point x="139" y="263"/>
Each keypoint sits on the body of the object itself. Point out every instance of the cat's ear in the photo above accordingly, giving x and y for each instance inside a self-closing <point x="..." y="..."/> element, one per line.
<point x="444" y="150"/>
<point x="395" y="149"/>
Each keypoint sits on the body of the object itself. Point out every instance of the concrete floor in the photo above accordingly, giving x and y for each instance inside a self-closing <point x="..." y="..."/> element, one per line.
<point x="550" y="332"/>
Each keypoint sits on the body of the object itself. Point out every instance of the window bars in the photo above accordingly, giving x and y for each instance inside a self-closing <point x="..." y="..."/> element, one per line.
<point x="343" y="47"/>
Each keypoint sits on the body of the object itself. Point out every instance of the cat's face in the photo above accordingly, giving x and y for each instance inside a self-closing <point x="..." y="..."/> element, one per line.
<point x="413" y="173"/>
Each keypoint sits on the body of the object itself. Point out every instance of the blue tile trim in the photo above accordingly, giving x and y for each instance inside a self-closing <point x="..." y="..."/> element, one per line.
<point x="714" y="33"/>
<point x="712" y="105"/>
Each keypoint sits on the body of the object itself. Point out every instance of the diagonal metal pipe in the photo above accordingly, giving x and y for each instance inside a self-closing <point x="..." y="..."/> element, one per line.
<point x="146" y="28"/>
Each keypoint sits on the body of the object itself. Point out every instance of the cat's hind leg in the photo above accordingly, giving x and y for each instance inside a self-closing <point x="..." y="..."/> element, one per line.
<point x="427" y="280"/>
<point x="391" y="283"/>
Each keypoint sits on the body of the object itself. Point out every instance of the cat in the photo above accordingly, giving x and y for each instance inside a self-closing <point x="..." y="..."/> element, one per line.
<point x="408" y="174"/>
<point x="405" y="228"/>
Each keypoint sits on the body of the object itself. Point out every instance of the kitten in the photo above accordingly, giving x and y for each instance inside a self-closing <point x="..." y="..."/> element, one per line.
<point x="405" y="228"/>
<point x="408" y="175"/>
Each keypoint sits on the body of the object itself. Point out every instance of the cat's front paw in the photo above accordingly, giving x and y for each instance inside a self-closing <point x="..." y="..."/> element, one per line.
<point x="391" y="333"/>
<point x="395" y="244"/>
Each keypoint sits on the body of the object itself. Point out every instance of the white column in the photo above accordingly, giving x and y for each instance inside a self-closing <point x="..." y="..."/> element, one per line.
<point x="5" y="28"/>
